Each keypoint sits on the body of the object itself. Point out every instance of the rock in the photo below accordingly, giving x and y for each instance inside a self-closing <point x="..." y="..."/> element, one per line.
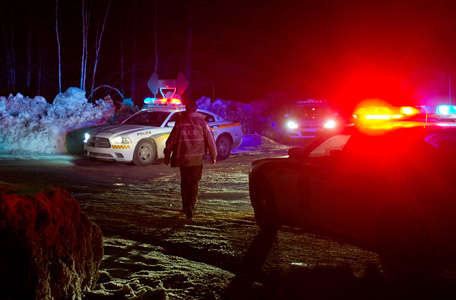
<point x="49" y="249"/>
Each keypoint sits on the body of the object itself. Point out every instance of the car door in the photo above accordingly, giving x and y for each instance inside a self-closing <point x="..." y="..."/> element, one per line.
<point x="361" y="180"/>
<point x="301" y="185"/>
<point x="215" y="126"/>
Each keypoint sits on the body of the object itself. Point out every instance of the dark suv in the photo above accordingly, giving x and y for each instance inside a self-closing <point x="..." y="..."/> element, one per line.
<point x="308" y="118"/>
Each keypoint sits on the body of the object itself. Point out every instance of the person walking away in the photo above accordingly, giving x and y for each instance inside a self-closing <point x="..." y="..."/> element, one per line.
<point x="186" y="148"/>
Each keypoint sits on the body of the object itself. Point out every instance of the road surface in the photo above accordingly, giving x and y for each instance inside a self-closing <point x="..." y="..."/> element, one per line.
<point x="152" y="251"/>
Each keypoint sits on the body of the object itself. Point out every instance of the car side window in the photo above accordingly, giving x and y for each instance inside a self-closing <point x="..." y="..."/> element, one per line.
<point x="175" y="117"/>
<point x="207" y="117"/>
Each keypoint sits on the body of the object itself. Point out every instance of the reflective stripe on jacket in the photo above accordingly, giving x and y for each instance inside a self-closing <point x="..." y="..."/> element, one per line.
<point x="189" y="142"/>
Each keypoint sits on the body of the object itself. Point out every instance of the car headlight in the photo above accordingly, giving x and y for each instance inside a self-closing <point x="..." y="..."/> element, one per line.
<point x="330" y="124"/>
<point x="122" y="140"/>
<point x="292" y="125"/>
<point x="86" y="137"/>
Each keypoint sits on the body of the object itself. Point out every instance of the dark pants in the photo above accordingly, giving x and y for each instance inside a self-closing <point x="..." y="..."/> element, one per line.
<point x="190" y="177"/>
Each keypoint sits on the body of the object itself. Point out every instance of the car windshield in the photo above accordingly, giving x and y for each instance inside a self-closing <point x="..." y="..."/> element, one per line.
<point x="148" y="118"/>
<point x="314" y="112"/>
<point x="328" y="147"/>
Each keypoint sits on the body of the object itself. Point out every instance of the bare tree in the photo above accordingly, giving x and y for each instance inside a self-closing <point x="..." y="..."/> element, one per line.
<point x="98" y="45"/>
<point x="155" y="36"/>
<point x="58" y="44"/>
<point x="188" y="52"/>
<point x="40" y="51"/>
<point x="121" y="60"/>
<point x="133" y="69"/>
<point x="29" y="45"/>
<point x="8" y="37"/>
<point x="86" y="11"/>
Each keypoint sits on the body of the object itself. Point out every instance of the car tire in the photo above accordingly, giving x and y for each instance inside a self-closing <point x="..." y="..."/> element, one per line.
<point x="145" y="153"/>
<point x="223" y="144"/>
<point x="266" y="215"/>
<point x="404" y="246"/>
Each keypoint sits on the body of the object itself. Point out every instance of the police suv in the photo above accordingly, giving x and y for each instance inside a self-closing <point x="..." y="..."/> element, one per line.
<point x="308" y="118"/>
<point x="141" y="138"/>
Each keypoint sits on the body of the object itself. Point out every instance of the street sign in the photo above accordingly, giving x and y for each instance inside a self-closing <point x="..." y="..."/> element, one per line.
<point x="156" y="85"/>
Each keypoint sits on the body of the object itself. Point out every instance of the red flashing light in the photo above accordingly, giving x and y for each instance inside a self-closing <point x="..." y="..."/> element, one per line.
<point x="163" y="101"/>
<point x="175" y="101"/>
<point x="383" y="113"/>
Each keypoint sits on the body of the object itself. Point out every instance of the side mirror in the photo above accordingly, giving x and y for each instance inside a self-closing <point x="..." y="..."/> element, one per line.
<point x="295" y="152"/>
<point x="170" y="124"/>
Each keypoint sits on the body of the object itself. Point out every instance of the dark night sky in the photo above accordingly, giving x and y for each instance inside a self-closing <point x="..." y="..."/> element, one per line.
<point x="403" y="51"/>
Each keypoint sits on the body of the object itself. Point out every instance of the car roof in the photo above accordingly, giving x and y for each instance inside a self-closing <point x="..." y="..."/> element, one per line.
<point x="164" y="108"/>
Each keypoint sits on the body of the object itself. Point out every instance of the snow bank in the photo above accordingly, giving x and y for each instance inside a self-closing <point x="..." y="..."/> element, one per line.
<point x="34" y="126"/>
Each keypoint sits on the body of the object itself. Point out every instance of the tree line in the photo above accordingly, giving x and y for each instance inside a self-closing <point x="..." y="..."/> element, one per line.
<point x="114" y="46"/>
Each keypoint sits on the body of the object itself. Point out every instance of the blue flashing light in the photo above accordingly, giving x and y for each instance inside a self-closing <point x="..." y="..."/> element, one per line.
<point x="446" y="109"/>
<point x="149" y="100"/>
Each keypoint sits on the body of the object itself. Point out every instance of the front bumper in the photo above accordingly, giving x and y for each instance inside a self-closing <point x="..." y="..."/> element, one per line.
<point x="115" y="154"/>
<point x="306" y="132"/>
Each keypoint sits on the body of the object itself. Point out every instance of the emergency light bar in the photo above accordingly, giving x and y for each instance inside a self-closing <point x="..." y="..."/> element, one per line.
<point x="163" y="101"/>
<point x="310" y="101"/>
<point x="381" y="113"/>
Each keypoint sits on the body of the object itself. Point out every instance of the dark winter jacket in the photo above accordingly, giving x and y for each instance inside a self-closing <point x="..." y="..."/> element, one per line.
<point x="189" y="142"/>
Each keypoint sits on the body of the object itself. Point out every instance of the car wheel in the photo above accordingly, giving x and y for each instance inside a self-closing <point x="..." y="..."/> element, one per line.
<point x="266" y="215"/>
<point x="404" y="245"/>
<point x="145" y="153"/>
<point x="223" y="144"/>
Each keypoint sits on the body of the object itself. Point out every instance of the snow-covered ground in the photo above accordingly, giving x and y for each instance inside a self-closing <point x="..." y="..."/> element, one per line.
<point x="33" y="127"/>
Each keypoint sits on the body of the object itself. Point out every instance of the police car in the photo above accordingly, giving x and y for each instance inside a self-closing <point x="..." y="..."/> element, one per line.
<point x="308" y="118"/>
<point x="385" y="183"/>
<point x="142" y="137"/>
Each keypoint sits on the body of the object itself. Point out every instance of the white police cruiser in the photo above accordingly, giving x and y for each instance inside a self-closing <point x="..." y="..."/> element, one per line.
<point x="141" y="138"/>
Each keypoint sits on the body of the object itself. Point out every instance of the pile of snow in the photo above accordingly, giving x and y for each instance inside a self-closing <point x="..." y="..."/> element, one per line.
<point x="263" y="117"/>
<point x="34" y="126"/>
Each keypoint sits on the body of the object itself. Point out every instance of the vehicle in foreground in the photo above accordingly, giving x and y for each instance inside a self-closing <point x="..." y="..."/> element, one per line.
<point x="386" y="186"/>
<point x="141" y="138"/>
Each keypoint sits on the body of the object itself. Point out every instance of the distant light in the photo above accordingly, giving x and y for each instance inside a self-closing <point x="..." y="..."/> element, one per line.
<point x="330" y="124"/>
<point x="446" y="109"/>
<point x="407" y="110"/>
<point x="378" y="117"/>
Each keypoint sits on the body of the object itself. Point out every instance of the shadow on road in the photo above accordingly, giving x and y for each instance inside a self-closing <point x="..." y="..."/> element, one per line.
<point x="326" y="282"/>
